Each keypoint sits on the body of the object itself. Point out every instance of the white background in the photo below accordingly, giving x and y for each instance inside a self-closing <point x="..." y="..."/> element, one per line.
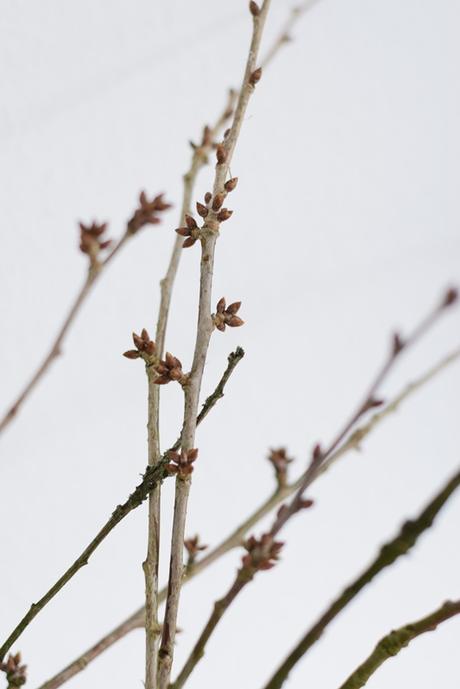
<point x="345" y="227"/>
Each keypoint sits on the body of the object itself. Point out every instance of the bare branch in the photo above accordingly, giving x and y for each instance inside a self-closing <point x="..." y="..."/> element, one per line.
<point x="236" y="538"/>
<point x="208" y="236"/>
<point x="389" y="553"/>
<point x="396" y="640"/>
<point x="153" y="475"/>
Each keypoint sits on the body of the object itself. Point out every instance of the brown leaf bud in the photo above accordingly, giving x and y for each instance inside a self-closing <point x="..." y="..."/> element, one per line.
<point x="235" y="322"/>
<point x="398" y="344"/>
<point x="224" y="214"/>
<point x="221" y="154"/>
<point x="255" y="76"/>
<point x="183" y="231"/>
<point x="231" y="184"/>
<point x="190" y="241"/>
<point x="207" y="197"/>
<point x="201" y="210"/>
<point x="131" y="354"/>
<point x="217" y="201"/>
<point x="254" y="8"/>
<point x="190" y="222"/>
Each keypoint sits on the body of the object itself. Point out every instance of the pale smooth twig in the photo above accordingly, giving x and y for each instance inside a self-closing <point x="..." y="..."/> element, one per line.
<point x="389" y="553"/>
<point x="151" y="477"/>
<point x="209" y="234"/>
<point x="396" y="640"/>
<point x="236" y="538"/>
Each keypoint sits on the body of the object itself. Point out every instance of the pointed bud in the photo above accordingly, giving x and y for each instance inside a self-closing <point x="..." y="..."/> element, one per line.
<point x="224" y="214"/>
<point x="138" y="341"/>
<point x="183" y="231"/>
<point x="255" y="76"/>
<point x="131" y="354"/>
<point x="221" y="154"/>
<point x="231" y="184"/>
<point x="207" y="197"/>
<point x="190" y="222"/>
<point x="398" y="344"/>
<point x="221" y="304"/>
<point x="233" y="308"/>
<point x="217" y="201"/>
<point x="254" y="8"/>
<point x="190" y="241"/>
<point x="235" y="322"/>
<point x="201" y="210"/>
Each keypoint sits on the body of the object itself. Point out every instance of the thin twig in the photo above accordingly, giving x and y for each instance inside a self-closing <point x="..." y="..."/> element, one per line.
<point x="209" y="234"/>
<point x="152" y="476"/>
<point x="389" y="553"/>
<point x="236" y="538"/>
<point x="396" y="640"/>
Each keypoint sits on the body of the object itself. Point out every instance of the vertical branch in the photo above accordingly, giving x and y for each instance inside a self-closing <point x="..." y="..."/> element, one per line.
<point x="208" y="238"/>
<point x="151" y="563"/>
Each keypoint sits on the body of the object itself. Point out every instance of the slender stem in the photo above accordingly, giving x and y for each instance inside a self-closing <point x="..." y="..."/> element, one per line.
<point x="203" y="336"/>
<point x="217" y="613"/>
<point x="153" y="475"/>
<point x="56" y="346"/>
<point x="151" y="563"/>
<point x="391" y="644"/>
<point x="389" y="553"/>
<point x="235" y="539"/>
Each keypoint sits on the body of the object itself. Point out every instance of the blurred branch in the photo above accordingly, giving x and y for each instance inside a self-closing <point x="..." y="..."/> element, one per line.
<point x="396" y="640"/>
<point x="236" y="538"/>
<point x="91" y="245"/>
<point x="389" y="553"/>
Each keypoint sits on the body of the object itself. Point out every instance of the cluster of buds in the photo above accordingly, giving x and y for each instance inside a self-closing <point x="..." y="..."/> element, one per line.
<point x="15" y="672"/>
<point x="280" y="461"/>
<point x="170" y="369"/>
<point x="92" y="241"/>
<point x="261" y="554"/>
<point x="226" y="315"/>
<point x="145" y="347"/>
<point x="191" y="231"/>
<point x="147" y="212"/>
<point x="193" y="548"/>
<point x="181" y="463"/>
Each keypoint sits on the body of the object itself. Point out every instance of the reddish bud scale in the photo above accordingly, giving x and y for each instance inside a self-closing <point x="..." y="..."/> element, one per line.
<point x="231" y="184"/>
<point x="255" y="76"/>
<point x="450" y="297"/>
<point x="221" y="154"/>
<point x="217" y="201"/>
<point x="207" y="197"/>
<point x="201" y="210"/>
<point x="254" y="8"/>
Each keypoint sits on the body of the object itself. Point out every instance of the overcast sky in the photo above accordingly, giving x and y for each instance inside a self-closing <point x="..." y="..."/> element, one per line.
<point x="346" y="226"/>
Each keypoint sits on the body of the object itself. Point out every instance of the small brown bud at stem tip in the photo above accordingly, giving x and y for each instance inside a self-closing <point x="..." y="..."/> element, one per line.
<point x="255" y="76"/>
<point x="254" y="8"/>
<point x="231" y="184"/>
<point x="207" y="197"/>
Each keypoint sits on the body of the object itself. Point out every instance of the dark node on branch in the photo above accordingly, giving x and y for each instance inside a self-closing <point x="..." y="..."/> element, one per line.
<point x="147" y="212"/>
<point x="145" y="347"/>
<point x="317" y="454"/>
<point x="262" y="553"/>
<point x="14" y="671"/>
<point x="168" y="370"/>
<point x="450" y="297"/>
<point x="280" y="462"/>
<point x="181" y="463"/>
<point x="372" y="403"/>
<point x="398" y="344"/>
<point x="226" y="315"/>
